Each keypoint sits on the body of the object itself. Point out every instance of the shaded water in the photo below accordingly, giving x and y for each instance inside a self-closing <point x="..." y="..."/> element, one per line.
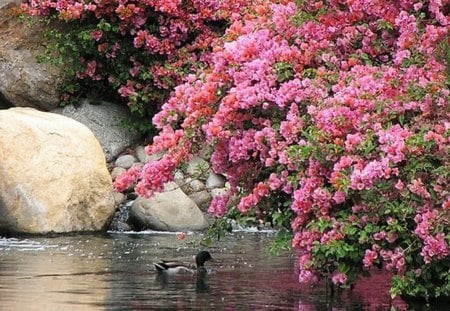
<point x="115" y="272"/>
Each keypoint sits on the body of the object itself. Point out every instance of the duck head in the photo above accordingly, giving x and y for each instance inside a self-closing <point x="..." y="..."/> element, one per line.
<point x="201" y="258"/>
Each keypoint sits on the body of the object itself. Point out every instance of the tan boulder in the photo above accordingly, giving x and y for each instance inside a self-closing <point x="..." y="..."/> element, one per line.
<point x="53" y="175"/>
<point x="171" y="210"/>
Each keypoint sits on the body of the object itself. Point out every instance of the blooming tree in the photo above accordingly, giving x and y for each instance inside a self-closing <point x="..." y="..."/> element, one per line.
<point x="334" y="113"/>
<point x="130" y="50"/>
<point x="331" y="116"/>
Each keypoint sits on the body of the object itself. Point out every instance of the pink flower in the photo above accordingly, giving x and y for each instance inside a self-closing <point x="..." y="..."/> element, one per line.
<point x="97" y="34"/>
<point x="417" y="187"/>
<point x="339" y="278"/>
<point x="306" y="276"/>
<point x="435" y="247"/>
<point x="369" y="257"/>
<point x="219" y="205"/>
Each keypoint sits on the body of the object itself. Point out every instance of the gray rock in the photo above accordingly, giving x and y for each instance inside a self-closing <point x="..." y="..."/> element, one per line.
<point x="171" y="210"/>
<point x="105" y="121"/>
<point x="125" y="161"/>
<point x="117" y="171"/>
<point x="215" y="181"/>
<point x="141" y="154"/>
<point x="197" y="185"/>
<point x="189" y="185"/>
<point x="119" y="198"/>
<point x="144" y="157"/>
<point x="218" y="191"/>
<point x="201" y="198"/>
<point x="23" y="81"/>
<point x="179" y="178"/>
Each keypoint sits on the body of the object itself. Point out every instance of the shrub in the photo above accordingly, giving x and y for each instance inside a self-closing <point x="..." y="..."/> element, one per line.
<point x="330" y="118"/>
<point x="132" y="51"/>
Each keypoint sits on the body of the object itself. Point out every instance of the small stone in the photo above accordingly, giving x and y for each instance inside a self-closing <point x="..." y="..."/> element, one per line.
<point x="126" y="161"/>
<point x="201" y="198"/>
<point x="218" y="191"/>
<point x="170" y="210"/>
<point x="117" y="171"/>
<point x="197" y="185"/>
<point x="185" y="184"/>
<point x="215" y="181"/>
<point x="179" y="178"/>
<point x="144" y="157"/>
<point x="141" y="154"/>
<point x="119" y="198"/>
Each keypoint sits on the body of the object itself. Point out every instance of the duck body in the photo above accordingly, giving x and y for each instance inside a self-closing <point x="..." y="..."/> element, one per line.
<point x="176" y="267"/>
<point x="173" y="267"/>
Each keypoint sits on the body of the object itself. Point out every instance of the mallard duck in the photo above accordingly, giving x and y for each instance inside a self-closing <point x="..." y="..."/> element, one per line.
<point x="175" y="267"/>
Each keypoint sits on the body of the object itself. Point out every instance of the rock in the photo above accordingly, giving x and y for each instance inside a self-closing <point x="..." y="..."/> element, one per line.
<point x="179" y="178"/>
<point x="144" y="157"/>
<point x="104" y="120"/>
<point x="218" y="191"/>
<point x="23" y="81"/>
<point x="189" y="185"/>
<point x="117" y="171"/>
<point x="125" y="161"/>
<point x="197" y="185"/>
<point x="201" y="198"/>
<point x="171" y="210"/>
<point x="53" y="175"/>
<point x="119" y="222"/>
<point x="215" y="181"/>
<point x="119" y="198"/>
<point x="141" y="154"/>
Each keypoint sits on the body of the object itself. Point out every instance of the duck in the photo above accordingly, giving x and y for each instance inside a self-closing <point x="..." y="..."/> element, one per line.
<point x="175" y="267"/>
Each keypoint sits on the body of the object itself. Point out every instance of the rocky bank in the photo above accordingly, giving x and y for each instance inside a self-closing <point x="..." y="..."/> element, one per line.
<point x="57" y="164"/>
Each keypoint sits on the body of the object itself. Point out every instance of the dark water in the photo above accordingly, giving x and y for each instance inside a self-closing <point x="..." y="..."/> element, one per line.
<point x="115" y="272"/>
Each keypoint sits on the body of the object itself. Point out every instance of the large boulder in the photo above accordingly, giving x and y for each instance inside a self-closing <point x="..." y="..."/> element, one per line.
<point x="23" y="81"/>
<point x="171" y="210"/>
<point x="105" y="120"/>
<point x="53" y="175"/>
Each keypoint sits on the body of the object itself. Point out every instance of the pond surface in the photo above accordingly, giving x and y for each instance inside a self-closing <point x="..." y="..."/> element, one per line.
<point x="115" y="271"/>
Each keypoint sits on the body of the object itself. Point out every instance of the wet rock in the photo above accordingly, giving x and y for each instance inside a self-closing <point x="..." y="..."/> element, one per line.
<point x="120" y="220"/>
<point x="171" y="210"/>
<point x="53" y="175"/>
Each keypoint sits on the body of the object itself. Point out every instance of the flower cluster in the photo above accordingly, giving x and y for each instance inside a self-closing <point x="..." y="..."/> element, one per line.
<point x="331" y="114"/>
<point x="337" y="113"/>
<point x="134" y="51"/>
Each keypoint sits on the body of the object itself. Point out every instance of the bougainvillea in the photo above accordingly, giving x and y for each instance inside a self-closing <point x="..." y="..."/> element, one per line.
<point x="134" y="51"/>
<point x="336" y="114"/>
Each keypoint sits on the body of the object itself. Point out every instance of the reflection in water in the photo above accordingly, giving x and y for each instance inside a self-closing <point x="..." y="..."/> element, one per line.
<point x="115" y="272"/>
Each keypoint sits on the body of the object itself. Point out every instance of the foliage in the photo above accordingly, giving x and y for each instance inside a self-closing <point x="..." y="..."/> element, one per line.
<point x="334" y="113"/>
<point x="133" y="51"/>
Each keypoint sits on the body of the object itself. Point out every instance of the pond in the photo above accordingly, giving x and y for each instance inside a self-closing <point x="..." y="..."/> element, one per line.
<point x="114" y="271"/>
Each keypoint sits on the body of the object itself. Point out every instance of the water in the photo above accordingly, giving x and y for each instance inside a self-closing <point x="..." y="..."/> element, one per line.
<point x="114" y="271"/>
